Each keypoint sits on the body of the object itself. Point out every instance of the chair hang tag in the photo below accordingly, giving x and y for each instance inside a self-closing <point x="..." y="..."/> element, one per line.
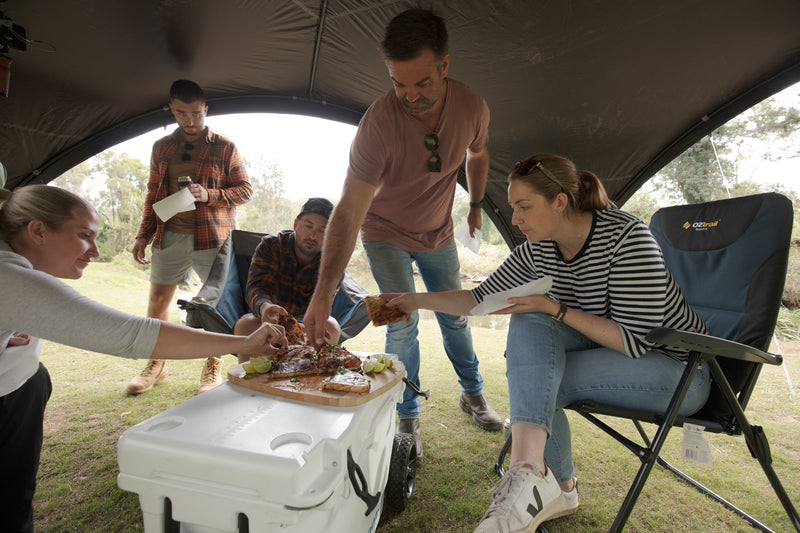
<point x="695" y="447"/>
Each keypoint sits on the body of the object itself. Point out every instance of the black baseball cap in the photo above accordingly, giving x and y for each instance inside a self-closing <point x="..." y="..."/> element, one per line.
<point x="319" y="206"/>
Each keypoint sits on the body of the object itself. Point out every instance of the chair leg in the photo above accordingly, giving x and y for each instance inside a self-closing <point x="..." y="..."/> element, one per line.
<point x="652" y="453"/>
<point x="713" y="495"/>
<point x="756" y="442"/>
<point x="765" y="459"/>
<point x="498" y="466"/>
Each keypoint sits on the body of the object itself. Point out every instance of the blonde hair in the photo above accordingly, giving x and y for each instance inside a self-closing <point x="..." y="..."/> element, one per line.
<point x="551" y="174"/>
<point x="51" y="205"/>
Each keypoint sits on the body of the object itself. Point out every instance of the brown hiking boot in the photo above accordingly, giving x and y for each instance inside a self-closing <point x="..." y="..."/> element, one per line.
<point x="211" y="376"/>
<point x="482" y="413"/>
<point x="411" y="426"/>
<point x="155" y="371"/>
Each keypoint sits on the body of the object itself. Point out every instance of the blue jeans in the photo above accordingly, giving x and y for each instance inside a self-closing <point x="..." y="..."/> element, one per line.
<point x="440" y="271"/>
<point x="550" y="365"/>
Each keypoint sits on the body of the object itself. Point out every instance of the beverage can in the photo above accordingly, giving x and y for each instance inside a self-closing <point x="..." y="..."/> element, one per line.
<point x="184" y="181"/>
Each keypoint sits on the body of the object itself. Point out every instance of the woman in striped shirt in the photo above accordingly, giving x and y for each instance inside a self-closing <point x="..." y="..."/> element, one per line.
<point x="584" y="340"/>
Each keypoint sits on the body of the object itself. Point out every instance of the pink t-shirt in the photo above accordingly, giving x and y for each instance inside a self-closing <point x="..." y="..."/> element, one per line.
<point x="412" y="206"/>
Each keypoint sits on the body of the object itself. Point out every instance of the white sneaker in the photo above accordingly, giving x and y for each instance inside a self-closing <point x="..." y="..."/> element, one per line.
<point x="570" y="502"/>
<point x="522" y="500"/>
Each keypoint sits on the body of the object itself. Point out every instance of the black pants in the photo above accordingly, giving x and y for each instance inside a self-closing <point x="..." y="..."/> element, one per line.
<point x="21" y="419"/>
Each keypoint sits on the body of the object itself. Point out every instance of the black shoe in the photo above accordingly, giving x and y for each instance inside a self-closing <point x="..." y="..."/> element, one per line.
<point x="482" y="413"/>
<point x="411" y="426"/>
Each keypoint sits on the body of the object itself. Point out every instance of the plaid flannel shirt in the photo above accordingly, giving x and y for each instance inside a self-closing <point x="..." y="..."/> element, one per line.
<point x="276" y="277"/>
<point x="220" y="170"/>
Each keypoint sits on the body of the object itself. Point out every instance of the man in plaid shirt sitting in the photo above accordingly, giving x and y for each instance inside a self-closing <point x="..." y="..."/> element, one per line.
<point x="283" y="273"/>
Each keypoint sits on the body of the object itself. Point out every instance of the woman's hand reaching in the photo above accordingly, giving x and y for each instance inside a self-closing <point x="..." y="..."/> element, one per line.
<point x="404" y="301"/>
<point x="266" y="338"/>
<point x="452" y="302"/>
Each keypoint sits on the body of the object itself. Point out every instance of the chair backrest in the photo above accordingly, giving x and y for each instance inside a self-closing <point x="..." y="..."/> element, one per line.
<point x="243" y="244"/>
<point x="729" y="258"/>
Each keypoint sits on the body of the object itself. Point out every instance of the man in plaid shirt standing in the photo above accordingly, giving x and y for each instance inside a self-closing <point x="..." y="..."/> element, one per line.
<point x="283" y="273"/>
<point x="214" y="171"/>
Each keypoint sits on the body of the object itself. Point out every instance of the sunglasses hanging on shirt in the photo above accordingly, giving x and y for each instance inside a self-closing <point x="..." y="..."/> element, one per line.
<point x="432" y="144"/>
<point x="188" y="147"/>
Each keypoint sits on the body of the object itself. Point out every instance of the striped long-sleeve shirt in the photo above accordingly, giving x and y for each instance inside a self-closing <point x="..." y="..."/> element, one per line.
<point x="619" y="274"/>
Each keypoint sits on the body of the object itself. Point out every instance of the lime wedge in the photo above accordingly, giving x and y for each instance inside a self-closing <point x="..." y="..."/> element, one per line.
<point x="262" y="364"/>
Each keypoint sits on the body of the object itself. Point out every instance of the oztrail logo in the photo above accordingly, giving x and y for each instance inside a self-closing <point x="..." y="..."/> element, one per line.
<point x="700" y="226"/>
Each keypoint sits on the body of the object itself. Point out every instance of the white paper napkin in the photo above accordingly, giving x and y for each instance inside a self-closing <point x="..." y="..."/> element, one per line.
<point x="497" y="301"/>
<point x="173" y="204"/>
<point x="461" y="234"/>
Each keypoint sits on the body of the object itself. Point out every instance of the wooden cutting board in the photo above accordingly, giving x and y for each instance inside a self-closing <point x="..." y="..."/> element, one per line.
<point x="309" y="388"/>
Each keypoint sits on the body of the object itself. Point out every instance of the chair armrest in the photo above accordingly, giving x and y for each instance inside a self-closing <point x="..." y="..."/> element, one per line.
<point x="707" y="344"/>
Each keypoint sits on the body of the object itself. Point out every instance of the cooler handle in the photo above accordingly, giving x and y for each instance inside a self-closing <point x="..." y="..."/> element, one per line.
<point x="413" y="386"/>
<point x="360" y="484"/>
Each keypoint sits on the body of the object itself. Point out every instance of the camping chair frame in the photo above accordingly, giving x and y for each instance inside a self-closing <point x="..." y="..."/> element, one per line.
<point x="723" y="413"/>
<point x="704" y="350"/>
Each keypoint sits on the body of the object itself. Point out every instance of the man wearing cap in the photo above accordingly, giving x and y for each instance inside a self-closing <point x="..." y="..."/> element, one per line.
<point x="284" y="270"/>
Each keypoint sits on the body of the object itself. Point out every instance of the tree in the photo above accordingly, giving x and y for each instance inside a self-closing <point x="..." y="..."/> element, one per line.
<point x="116" y="185"/>
<point x="644" y="203"/>
<point x="722" y="163"/>
<point x="120" y="202"/>
<point x="268" y="211"/>
<point x="75" y="179"/>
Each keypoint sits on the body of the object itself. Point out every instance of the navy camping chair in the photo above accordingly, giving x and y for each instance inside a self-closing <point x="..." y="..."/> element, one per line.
<point x="730" y="259"/>
<point x="221" y="301"/>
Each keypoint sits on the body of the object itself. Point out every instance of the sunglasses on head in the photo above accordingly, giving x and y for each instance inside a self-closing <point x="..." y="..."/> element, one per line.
<point x="432" y="144"/>
<point x="524" y="168"/>
<point x="188" y="147"/>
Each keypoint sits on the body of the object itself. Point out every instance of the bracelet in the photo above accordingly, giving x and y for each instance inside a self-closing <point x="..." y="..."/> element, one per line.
<point x="476" y="204"/>
<point x="562" y="310"/>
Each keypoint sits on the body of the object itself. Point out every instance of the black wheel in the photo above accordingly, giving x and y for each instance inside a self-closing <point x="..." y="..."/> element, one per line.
<point x="402" y="471"/>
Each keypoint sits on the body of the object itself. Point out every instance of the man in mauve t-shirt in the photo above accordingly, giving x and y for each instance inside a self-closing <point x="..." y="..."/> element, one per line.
<point x="399" y="191"/>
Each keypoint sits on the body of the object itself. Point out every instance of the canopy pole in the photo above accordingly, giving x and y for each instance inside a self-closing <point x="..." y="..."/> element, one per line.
<point x="785" y="370"/>
<point x="323" y="9"/>
<point x="719" y="164"/>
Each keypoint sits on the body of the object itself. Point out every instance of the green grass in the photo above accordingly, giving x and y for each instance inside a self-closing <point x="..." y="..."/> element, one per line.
<point x="89" y="410"/>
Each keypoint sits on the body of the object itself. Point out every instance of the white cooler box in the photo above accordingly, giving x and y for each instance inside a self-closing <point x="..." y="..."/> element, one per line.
<point x="234" y="459"/>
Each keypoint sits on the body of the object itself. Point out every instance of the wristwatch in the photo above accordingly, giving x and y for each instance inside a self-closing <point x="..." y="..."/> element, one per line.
<point x="476" y="204"/>
<point x="562" y="310"/>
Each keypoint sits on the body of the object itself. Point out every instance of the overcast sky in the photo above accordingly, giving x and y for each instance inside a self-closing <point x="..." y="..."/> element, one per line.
<point x="311" y="152"/>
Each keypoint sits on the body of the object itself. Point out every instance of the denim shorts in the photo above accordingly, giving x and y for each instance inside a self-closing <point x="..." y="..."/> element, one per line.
<point x="173" y="263"/>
